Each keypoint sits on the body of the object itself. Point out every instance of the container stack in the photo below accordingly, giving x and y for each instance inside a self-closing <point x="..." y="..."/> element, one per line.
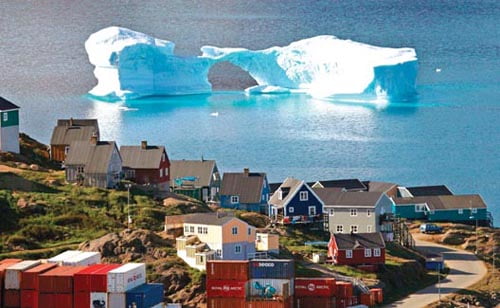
<point x="344" y="294"/>
<point x="123" y="279"/>
<point x="4" y="264"/>
<point x="76" y="258"/>
<point x="91" y="285"/>
<point x="315" y="292"/>
<point x="56" y="287"/>
<point x="30" y="285"/>
<point x="227" y="284"/>
<point x="145" y="296"/>
<point x="378" y="295"/>
<point x="12" y="283"/>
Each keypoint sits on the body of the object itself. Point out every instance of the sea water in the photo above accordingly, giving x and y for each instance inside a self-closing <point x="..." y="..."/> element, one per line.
<point x="449" y="134"/>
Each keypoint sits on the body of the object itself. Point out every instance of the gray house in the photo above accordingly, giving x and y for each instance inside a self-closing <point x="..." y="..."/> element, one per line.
<point x="94" y="163"/>
<point x="199" y="179"/>
<point x="356" y="212"/>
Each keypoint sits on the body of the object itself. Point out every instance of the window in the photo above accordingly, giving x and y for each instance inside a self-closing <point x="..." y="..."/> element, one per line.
<point x="219" y="252"/>
<point x="474" y="211"/>
<point x="376" y="252"/>
<point x="163" y="157"/>
<point x="354" y="212"/>
<point x="237" y="249"/>
<point x="5" y="116"/>
<point x="291" y="209"/>
<point x="79" y="169"/>
<point x="348" y="254"/>
<point x="312" y="211"/>
<point x="234" y="230"/>
<point x="368" y="252"/>
<point x="166" y="171"/>
<point x="205" y="230"/>
<point x="340" y="228"/>
<point x="304" y="195"/>
<point x="186" y="229"/>
<point x="419" y="208"/>
<point x="354" y="229"/>
<point x="191" y="229"/>
<point x="460" y="211"/>
<point x="200" y="230"/>
<point x="161" y="173"/>
<point x="331" y="212"/>
<point x="369" y="228"/>
<point x="368" y="212"/>
<point x="235" y="199"/>
<point x="249" y="231"/>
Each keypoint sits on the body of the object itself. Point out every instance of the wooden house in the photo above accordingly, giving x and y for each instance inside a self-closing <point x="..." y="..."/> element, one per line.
<point x="295" y="202"/>
<point x="94" y="163"/>
<point x="245" y="190"/>
<point x="199" y="179"/>
<point x="146" y="165"/>
<point x="9" y="126"/>
<point x="357" y="249"/>
<point x="68" y="131"/>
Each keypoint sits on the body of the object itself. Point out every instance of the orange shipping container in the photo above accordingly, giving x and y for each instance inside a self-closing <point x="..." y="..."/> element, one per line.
<point x="288" y="303"/>
<point x="226" y="303"/>
<point x="379" y="295"/>
<point x="29" y="280"/>
<point x="344" y="289"/>
<point x="367" y="299"/>
<point x="12" y="299"/>
<point x="228" y="270"/>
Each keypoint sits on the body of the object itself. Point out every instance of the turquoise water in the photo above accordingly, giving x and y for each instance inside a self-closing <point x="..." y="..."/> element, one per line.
<point x="449" y="134"/>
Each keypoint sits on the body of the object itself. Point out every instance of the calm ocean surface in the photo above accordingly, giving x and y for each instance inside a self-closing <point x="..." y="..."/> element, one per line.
<point x="450" y="134"/>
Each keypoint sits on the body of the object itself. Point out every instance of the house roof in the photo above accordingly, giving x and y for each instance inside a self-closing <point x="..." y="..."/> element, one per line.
<point x="274" y="187"/>
<point x="379" y="186"/>
<point x="437" y="190"/>
<point x="78" y="122"/>
<point x="201" y="169"/>
<point x="248" y="186"/>
<point x="338" y="197"/>
<point x="348" y="184"/>
<point x="6" y="105"/>
<point x="359" y="240"/>
<point x="68" y="130"/>
<point x="445" y="202"/>
<point x="291" y="186"/>
<point x="213" y="219"/>
<point x="136" y="157"/>
<point x="94" y="157"/>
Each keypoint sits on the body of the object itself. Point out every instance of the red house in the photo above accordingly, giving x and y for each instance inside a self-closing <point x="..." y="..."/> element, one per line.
<point x="146" y="165"/>
<point x="357" y="249"/>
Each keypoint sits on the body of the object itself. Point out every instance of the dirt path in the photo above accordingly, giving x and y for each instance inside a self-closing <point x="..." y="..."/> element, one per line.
<point x="4" y="168"/>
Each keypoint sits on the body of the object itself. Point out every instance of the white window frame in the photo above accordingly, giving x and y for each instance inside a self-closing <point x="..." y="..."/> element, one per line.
<point x="354" y="212"/>
<point x="236" y="250"/>
<point x="348" y="254"/>
<point x="234" y="230"/>
<point x="235" y="199"/>
<point x="186" y="228"/>
<point x="339" y="227"/>
<point x="376" y="252"/>
<point x="166" y="171"/>
<point x="368" y="212"/>
<point x="161" y="173"/>
<point x="369" y="228"/>
<point x="205" y="230"/>
<point x="460" y="211"/>
<point x="5" y="116"/>
<point x="312" y="207"/>
<point x="304" y="196"/>
<point x="368" y="253"/>
<point x="191" y="229"/>
<point x="280" y="195"/>
<point x="200" y="230"/>
<point x="291" y="209"/>
<point x="474" y="210"/>
<point x="354" y="227"/>
<point x="163" y="157"/>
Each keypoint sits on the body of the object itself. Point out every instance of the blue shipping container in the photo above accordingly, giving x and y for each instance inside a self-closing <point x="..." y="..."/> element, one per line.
<point x="273" y="269"/>
<point x="145" y="296"/>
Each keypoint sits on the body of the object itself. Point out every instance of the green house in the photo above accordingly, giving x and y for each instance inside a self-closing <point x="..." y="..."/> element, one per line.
<point x="9" y="126"/>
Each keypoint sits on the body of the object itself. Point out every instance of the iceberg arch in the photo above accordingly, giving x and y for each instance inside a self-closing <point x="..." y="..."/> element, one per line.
<point x="131" y="64"/>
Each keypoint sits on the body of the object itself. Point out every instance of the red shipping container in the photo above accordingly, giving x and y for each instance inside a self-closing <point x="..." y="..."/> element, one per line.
<point x="29" y="278"/>
<point x="226" y="303"/>
<point x="344" y="289"/>
<point x="29" y="299"/>
<point x="94" y="278"/>
<point x="12" y="298"/>
<point x="46" y="283"/>
<point x="227" y="288"/>
<point x="271" y="304"/>
<point x="367" y="299"/>
<point x="58" y="280"/>
<point x="378" y="295"/>
<point x="323" y="287"/>
<point x="63" y="300"/>
<point x="228" y="270"/>
<point x="46" y="300"/>
<point x="3" y="265"/>
<point x="341" y="303"/>
<point x="314" y="302"/>
<point x="81" y="300"/>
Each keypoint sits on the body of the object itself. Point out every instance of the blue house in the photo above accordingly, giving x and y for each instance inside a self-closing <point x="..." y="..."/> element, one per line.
<point x="245" y="190"/>
<point x="295" y="202"/>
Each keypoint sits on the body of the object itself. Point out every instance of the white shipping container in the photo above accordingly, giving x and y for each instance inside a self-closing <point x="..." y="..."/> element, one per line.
<point x="126" y="277"/>
<point x="117" y="300"/>
<point x="64" y="256"/>
<point x="13" y="274"/>
<point x="83" y="259"/>
<point x="98" y="300"/>
<point x="282" y="287"/>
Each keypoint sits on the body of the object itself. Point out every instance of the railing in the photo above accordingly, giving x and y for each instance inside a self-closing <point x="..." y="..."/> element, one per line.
<point x="258" y="255"/>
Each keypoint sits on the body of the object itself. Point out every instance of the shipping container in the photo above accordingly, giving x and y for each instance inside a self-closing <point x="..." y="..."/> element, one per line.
<point x="221" y="302"/>
<point x="367" y="299"/>
<point x="13" y="274"/>
<point x="58" y="280"/>
<point x="270" y="304"/>
<point x="94" y="278"/>
<point x="145" y="296"/>
<point x="98" y="300"/>
<point x="378" y="295"/>
<point x="46" y="300"/>
<point x="227" y="270"/>
<point x="310" y="287"/>
<point x="29" y="299"/>
<point x="29" y="279"/>
<point x="315" y="302"/>
<point x="63" y="300"/>
<point x="81" y="300"/>
<point x="117" y="300"/>
<point x="271" y="288"/>
<point x="3" y="265"/>
<point x="344" y="289"/>
<point x="126" y="277"/>
<point x="227" y="288"/>
<point x="12" y="298"/>
<point x="83" y="259"/>
<point x="269" y="268"/>
<point x="64" y="256"/>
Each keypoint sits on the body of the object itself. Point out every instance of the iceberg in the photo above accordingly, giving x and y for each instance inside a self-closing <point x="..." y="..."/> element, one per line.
<point x="131" y="64"/>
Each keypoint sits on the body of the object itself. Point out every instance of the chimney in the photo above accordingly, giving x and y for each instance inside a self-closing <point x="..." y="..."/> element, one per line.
<point x="144" y="144"/>
<point x="71" y="121"/>
<point x="246" y="171"/>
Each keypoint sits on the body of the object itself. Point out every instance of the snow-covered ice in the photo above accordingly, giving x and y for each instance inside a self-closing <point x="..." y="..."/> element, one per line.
<point x="130" y="64"/>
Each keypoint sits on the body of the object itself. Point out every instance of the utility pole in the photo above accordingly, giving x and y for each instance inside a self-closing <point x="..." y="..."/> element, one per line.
<point x="439" y="283"/>
<point x="129" y="218"/>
